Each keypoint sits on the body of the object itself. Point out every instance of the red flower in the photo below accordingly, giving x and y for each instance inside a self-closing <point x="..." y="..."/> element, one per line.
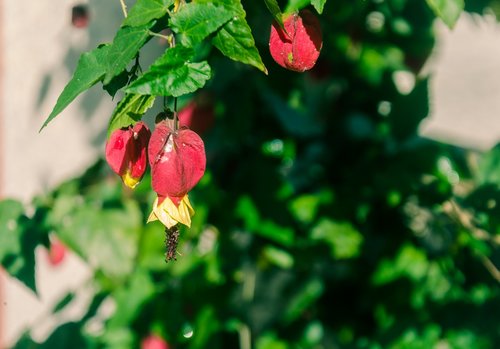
<point x="153" y="342"/>
<point x="57" y="251"/>
<point x="298" y="48"/>
<point x="198" y="115"/>
<point x="178" y="162"/>
<point x="126" y="153"/>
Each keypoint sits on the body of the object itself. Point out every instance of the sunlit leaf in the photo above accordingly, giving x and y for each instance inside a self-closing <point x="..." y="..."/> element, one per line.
<point x="129" y="110"/>
<point x="144" y="11"/>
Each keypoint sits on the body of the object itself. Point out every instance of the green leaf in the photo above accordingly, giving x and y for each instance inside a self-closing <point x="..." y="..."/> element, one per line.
<point x="279" y="257"/>
<point x="129" y="110"/>
<point x="274" y="8"/>
<point x="318" y="5"/>
<point x="448" y="10"/>
<point x="296" y="5"/>
<point x="90" y="70"/>
<point x="172" y="75"/>
<point x="248" y="212"/>
<point x="144" y="11"/>
<point x="107" y="238"/>
<point x="344" y="240"/>
<point x="17" y="247"/>
<point x="124" y="48"/>
<point x="195" y="21"/>
<point x="305" y="296"/>
<point x="235" y="40"/>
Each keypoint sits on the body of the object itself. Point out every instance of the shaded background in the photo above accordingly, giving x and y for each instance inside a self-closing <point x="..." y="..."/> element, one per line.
<point x="341" y="228"/>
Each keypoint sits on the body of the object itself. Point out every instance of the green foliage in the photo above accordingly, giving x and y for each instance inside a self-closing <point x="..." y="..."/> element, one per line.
<point x="323" y="221"/>
<point x="448" y="10"/>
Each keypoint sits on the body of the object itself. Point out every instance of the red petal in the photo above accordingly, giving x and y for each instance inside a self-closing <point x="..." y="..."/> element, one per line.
<point x="126" y="150"/>
<point x="177" y="161"/>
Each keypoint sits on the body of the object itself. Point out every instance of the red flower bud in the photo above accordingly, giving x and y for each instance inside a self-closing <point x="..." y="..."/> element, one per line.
<point x="198" y="115"/>
<point x="57" y="251"/>
<point x="126" y="153"/>
<point x="153" y="342"/>
<point x="177" y="161"/>
<point x="298" y="48"/>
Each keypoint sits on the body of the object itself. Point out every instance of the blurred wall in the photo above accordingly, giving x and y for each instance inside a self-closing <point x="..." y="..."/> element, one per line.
<point x="40" y="49"/>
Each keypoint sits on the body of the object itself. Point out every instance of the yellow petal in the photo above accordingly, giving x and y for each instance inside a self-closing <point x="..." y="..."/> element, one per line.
<point x="170" y="215"/>
<point x="130" y="181"/>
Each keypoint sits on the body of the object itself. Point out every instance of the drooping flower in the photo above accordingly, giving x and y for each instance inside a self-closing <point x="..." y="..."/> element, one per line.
<point x="298" y="48"/>
<point x="126" y="153"/>
<point x="57" y="251"/>
<point x="178" y="162"/>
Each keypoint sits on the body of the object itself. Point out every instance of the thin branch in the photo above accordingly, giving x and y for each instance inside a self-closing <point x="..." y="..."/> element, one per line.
<point x="493" y="270"/>
<point x="124" y="8"/>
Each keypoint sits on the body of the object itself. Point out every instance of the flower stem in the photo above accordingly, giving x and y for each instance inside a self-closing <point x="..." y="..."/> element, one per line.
<point x="124" y="8"/>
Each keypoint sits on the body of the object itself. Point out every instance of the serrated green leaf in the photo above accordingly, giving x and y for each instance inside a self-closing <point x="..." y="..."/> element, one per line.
<point x="90" y="69"/>
<point x="124" y="48"/>
<point x="274" y="9"/>
<point x="448" y="10"/>
<point x="144" y="11"/>
<point x="195" y="21"/>
<point x="172" y="75"/>
<point x="318" y="5"/>
<point x="129" y="110"/>
<point x="17" y="248"/>
<point x="235" y="39"/>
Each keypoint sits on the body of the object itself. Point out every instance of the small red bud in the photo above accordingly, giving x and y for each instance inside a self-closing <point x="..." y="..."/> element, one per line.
<point x="198" y="115"/>
<point x="126" y="153"/>
<point x="57" y="252"/>
<point x="298" y="48"/>
<point x="153" y="342"/>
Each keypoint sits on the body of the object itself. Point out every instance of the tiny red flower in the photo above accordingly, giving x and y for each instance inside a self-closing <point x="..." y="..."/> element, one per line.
<point x="126" y="153"/>
<point x="298" y="48"/>
<point x="57" y="251"/>
<point x="154" y="342"/>
<point x="198" y="115"/>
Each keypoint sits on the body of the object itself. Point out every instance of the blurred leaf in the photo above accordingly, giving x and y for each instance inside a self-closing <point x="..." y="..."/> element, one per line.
<point x="206" y="324"/>
<point x="409" y="262"/>
<point x="67" y="299"/>
<point x="246" y="210"/>
<point x="130" y="110"/>
<point x="17" y="243"/>
<point x="235" y="38"/>
<point x="344" y="240"/>
<point x="448" y="10"/>
<point x="125" y="46"/>
<point x="172" y="75"/>
<point x="194" y="21"/>
<point x="144" y="11"/>
<point x="106" y="238"/>
<point x="270" y="341"/>
<point x="130" y="299"/>
<point x="279" y="257"/>
<point x="90" y="70"/>
<point x="304" y="297"/>
<point x="318" y="5"/>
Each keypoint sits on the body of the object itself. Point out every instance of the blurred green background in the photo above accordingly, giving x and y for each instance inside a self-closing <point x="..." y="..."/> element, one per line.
<point x="323" y="221"/>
